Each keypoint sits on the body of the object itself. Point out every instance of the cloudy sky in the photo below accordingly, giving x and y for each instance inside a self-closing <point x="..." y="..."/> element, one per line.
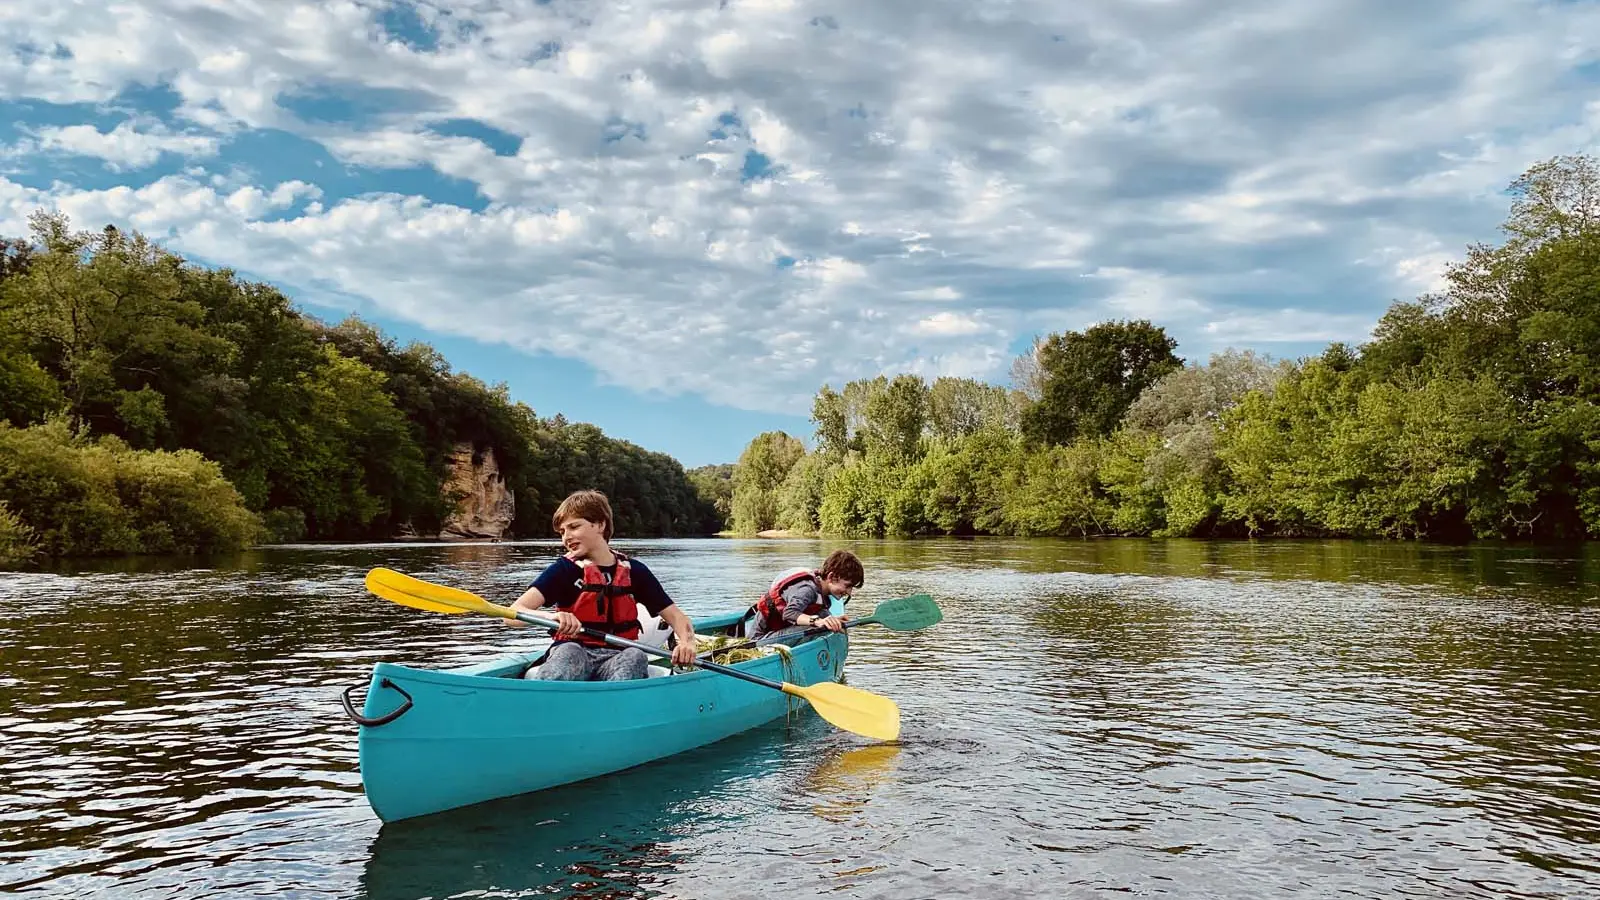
<point x="678" y="219"/>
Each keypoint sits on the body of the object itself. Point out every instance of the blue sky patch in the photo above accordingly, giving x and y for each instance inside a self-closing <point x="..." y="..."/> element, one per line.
<point x="273" y="157"/>
<point x="503" y="143"/>
<point x="729" y="125"/>
<point x="350" y="104"/>
<point x="757" y="165"/>
<point x="157" y="103"/>
<point x="403" y="23"/>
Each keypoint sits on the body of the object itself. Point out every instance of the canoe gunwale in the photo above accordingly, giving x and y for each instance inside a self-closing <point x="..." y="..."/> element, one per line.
<point x="455" y="677"/>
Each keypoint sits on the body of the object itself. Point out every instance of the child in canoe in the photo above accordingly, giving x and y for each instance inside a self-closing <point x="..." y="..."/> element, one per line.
<point x="801" y="597"/>
<point x="596" y="587"/>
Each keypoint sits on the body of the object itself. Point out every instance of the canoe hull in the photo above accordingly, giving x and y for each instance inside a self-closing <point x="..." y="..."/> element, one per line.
<point x="473" y="735"/>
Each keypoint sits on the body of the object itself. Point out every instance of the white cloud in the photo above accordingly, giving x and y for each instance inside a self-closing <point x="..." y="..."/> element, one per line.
<point x="947" y="324"/>
<point x="942" y="292"/>
<point x="122" y="148"/>
<point x="1255" y="172"/>
<point x="1284" y="325"/>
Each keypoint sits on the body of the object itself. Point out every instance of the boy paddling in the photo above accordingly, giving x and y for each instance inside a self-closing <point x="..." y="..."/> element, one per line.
<point x="593" y="586"/>
<point x="800" y="597"/>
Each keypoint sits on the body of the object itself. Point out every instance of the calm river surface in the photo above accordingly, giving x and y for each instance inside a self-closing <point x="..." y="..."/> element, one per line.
<point x="1108" y="718"/>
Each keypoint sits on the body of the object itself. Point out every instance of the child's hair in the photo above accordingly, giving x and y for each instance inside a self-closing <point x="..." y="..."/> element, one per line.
<point x="591" y="505"/>
<point x="844" y="564"/>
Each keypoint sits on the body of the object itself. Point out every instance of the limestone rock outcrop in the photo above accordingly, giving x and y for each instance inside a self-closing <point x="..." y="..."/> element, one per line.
<point x="487" y="506"/>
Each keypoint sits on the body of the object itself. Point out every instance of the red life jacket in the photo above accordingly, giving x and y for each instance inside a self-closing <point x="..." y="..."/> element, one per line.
<point x="770" y="606"/>
<point x="604" y="605"/>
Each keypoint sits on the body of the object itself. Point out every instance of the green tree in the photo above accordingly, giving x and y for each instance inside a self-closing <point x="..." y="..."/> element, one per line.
<point x="352" y="449"/>
<point x="714" y="485"/>
<point x="757" y="476"/>
<point x="800" y="496"/>
<point x="1554" y="200"/>
<point x="1162" y="466"/>
<point x="896" y="416"/>
<point x="1058" y="491"/>
<point x="105" y="314"/>
<point x="27" y="392"/>
<point x="958" y="407"/>
<point x="968" y="482"/>
<point x="68" y="494"/>
<point x="833" y="423"/>
<point x="856" y="500"/>
<point x="1090" y="379"/>
<point x="18" y="542"/>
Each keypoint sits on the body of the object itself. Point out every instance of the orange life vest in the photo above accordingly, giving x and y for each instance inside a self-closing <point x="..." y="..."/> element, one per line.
<point x="604" y="604"/>
<point x="770" y="606"/>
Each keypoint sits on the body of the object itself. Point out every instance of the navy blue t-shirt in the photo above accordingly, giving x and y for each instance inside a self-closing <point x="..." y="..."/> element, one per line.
<point x="560" y="580"/>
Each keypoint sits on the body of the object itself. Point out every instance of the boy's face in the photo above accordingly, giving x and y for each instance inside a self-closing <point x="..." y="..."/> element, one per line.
<point x="582" y="536"/>
<point x="838" y="587"/>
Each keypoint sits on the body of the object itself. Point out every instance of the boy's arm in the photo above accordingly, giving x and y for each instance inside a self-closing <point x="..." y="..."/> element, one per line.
<point x="659" y="603"/>
<point x="683" y="654"/>
<point x="568" y="625"/>
<point x="795" y="601"/>
<point x="531" y="600"/>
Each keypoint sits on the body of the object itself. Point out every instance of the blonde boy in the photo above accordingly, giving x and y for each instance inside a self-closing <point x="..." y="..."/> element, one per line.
<point x="596" y="587"/>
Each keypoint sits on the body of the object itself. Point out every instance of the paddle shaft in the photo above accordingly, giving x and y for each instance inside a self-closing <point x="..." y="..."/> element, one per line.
<point x="615" y="641"/>
<point x="809" y="632"/>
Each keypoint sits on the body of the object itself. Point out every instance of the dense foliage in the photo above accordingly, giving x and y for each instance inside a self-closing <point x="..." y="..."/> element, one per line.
<point x="68" y="494"/>
<point x="147" y="367"/>
<point x="1473" y="412"/>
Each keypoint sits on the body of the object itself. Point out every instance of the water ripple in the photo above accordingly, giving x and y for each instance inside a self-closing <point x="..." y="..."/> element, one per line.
<point x="1162" y="719"/>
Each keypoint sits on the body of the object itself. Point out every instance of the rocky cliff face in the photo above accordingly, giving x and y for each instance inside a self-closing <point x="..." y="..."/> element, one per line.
<point x="486" y="507"/>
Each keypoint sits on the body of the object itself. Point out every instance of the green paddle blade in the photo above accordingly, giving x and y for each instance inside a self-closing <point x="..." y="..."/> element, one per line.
<point x="911" y="613"/>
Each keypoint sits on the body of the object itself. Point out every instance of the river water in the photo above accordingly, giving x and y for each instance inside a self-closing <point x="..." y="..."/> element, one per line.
<point x="1107" y="718"/>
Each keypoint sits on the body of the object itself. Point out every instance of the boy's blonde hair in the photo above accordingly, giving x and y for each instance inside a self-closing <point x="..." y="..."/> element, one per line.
<point x="591" y="505"/>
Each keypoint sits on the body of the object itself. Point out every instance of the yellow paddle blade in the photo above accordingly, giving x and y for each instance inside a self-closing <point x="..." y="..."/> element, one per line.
<point x="852" y="709"/>
<point x="419" y="594"/>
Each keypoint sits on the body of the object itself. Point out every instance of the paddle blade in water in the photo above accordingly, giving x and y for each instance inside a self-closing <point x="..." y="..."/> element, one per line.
<point x="908" y="613"/>
<point x="852" y="709"/>
<point x="418" y="594"/>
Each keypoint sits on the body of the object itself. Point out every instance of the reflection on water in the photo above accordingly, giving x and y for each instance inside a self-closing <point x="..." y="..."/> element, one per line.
<point x="843" y="785"/>
<point x="607" y="837"/>
<point x="1179" y="718"/>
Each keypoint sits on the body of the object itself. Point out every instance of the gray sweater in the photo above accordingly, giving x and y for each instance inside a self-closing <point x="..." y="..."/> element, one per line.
<point x="796" y="597"/>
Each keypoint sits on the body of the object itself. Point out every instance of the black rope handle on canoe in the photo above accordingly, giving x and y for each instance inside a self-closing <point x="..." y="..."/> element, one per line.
<point x="350" y="708"/>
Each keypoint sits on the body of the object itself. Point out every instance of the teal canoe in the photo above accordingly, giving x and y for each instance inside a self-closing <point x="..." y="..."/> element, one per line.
<point x="437" y="739"/>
